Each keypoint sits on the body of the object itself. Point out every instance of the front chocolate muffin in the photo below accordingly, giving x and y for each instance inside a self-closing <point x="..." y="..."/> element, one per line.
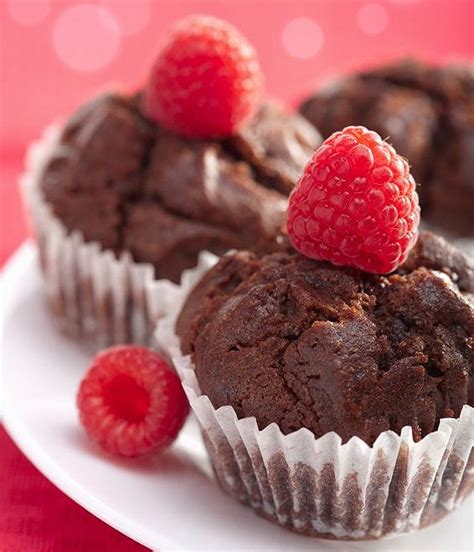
<point x="306" y="344"/>
<point x="332" y="402"/>
<point x="333" y="377"/>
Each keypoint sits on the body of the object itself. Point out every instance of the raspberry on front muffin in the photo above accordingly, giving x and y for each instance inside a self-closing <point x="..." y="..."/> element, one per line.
<point x="217" y="180"/>
<point x="356" y="204"/>
<point x="427" y="113"/>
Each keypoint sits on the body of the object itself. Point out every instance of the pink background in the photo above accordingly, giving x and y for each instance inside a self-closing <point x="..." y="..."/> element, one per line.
<point x="56" y="53"/>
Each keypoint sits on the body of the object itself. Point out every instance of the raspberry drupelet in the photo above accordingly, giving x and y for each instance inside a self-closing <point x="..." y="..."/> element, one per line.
<point x="355" y="204"/>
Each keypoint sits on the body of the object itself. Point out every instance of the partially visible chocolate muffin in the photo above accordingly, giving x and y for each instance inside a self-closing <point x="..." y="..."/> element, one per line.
<point x="306" y="344"/>
<point x="131" y="185"/>
<point x="427" y="113"/>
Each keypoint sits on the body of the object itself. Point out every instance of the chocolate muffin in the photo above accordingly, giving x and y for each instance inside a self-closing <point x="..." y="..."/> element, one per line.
<point x="427" y="112"/>
<point x="131" y="185"/>
<point x="306" y="344"/>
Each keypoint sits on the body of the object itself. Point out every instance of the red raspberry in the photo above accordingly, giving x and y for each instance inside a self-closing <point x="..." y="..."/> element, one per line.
<point x="131" y="402"/>
<point x="206" y="81"/>
<point x="355" y="204"/>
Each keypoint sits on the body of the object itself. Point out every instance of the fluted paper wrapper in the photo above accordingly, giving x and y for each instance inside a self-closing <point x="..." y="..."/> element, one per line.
<point x="93" y="294"/>
<point x="322" y="487"/>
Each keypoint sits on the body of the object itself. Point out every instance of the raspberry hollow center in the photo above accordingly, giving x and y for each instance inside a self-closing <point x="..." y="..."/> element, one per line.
<point x="126" y="398"/>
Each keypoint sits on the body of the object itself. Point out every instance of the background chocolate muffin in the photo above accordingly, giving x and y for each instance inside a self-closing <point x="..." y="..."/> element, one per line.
<point x="427" y="113"/>
<point x="131" y="185"/>
<point x="306" y="344"/>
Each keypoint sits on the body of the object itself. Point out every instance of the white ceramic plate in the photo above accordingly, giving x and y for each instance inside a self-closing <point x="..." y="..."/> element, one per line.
<point x="169" y="503"/>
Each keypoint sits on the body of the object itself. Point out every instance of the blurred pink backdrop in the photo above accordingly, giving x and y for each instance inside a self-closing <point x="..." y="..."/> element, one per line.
<point x="56" y="53"/>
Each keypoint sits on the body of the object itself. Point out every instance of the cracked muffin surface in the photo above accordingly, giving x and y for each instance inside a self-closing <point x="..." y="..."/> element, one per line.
<point x="305" y="344"/>
<point x="131" y="185"/>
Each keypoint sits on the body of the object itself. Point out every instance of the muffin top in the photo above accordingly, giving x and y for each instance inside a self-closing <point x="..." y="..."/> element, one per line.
<point x="427" y="113"/>
<point x="304" y="343"/>
<point x="129" y="184"/>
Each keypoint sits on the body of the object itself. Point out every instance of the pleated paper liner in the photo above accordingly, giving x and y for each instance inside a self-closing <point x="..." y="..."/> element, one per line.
<point x="94" y="296"/>
<point x="319" y="486"/>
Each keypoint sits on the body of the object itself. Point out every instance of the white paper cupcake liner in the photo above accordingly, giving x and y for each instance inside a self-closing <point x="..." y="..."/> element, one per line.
<point x="322" y="487"/>
<point x="93" y="294"/>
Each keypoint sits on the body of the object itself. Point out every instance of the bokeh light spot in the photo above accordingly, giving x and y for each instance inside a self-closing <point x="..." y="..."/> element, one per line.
<point x="86" y="37"/>
<point x="302" y="37"/>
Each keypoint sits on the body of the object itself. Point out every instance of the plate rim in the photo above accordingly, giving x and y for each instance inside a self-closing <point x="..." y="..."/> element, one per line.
<point x="29" y="447"/>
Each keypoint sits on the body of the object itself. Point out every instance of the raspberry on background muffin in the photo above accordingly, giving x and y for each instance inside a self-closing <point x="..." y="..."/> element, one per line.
<point x="335" y="400"/>
<point x="134" y="187"/>
<point x="427" y="113"/>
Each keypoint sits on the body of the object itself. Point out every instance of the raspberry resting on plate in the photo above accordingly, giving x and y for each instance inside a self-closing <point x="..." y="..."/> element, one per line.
<point x="355" y="204"/>
<point x="131" y="402"/>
